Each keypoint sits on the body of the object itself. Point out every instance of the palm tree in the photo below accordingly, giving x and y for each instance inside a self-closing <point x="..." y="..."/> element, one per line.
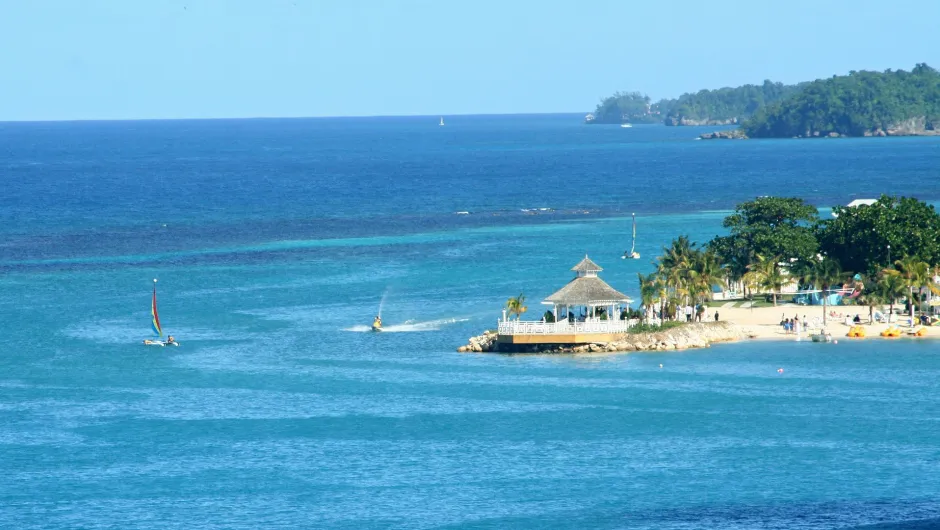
<point x="915" y="273"/>
<point x="871" y="298"/>
<point x="705" y="272"/>
<point x="890" y="287"/>
<point x="766" y="273"/>
<point x="821" y="275"/>
<point x="650" y="288"/>
<point x="674" y="263"/>
<point x="516" y="306"/>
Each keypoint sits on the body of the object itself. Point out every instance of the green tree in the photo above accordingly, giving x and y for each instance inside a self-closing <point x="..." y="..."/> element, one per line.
<point x="651" y="287"/>
<point x="890" y="287"/>
<point x="686" y="273"/>
<point x="769" y="226"/>
<point x="915" y="274"/>
<point x="860" y="236"/>
<point x="766" y="273"/>
<point x="705" y="273"/>
<point x="516" y="306"/>
<point x="872" y="297"/>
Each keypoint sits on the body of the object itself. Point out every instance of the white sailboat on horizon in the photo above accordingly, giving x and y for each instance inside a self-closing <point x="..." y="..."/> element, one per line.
<point x="442" y="121"/>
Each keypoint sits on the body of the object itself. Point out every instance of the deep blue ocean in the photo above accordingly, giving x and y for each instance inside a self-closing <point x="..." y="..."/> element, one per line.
<point x="275" y="242"/>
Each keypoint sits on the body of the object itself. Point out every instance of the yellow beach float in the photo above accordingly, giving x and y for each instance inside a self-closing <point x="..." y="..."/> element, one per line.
<point x="892" y="331"/>
<point x="856" y="332"/>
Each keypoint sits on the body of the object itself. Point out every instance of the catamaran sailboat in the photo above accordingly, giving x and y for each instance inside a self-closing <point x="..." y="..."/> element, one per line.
<point x="155" y="324"/>
<point x="442" y="121"/>
<point x="632" y="254"/>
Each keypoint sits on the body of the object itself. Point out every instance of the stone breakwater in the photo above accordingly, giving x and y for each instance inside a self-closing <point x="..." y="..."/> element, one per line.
<point x="698" y="335"/>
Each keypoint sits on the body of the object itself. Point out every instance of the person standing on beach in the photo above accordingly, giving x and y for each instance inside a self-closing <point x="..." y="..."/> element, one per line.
<point x="716" y="316"/>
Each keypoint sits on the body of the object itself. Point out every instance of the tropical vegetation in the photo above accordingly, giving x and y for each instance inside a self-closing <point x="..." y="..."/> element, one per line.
<point x="685" y="274"/>
<point x="632" y="107"/>
<point x="515" y="306"/>
<point x="773" y="242"/>
<point x="861" y="103"/>
<point x="724" y="104"/>
<point x="727" y="105"/>
<point x="858" y="104"/>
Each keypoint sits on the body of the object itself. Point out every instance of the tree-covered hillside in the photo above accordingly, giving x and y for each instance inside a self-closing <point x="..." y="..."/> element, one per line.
<point x="859" y="104"/>
<point x="626" y="107"/>
<point x="724" y="105"/>
<point x="727" y="105"/>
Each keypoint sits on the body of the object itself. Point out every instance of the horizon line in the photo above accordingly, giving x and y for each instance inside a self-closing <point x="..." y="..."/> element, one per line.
<point x="232" y="118"/>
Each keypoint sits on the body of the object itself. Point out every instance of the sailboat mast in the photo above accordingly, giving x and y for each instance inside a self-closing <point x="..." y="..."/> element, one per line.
<point x="153" y="311"/>
<point x="633" y="245"/>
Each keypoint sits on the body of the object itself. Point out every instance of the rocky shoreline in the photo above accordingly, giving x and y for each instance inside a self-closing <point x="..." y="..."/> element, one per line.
<point x="696" y="335"/>
<point x="734" y="134"/>
<point x="910" y="127"/>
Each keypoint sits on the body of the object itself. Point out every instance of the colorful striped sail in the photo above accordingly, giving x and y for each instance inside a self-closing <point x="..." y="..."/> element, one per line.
<point x="153" y="311"/>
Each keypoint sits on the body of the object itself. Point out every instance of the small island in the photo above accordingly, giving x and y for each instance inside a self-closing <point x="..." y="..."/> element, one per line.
<point x="873" y="268"/>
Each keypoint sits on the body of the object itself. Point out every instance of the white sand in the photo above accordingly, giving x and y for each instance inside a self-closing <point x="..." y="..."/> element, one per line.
<point x="765" y="321"/>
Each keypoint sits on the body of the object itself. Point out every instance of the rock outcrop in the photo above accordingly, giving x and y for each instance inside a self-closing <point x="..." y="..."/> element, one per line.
<point x="697" y="335"/>
<point x="481" y="343"/>
<point x="733" y="134"/>
<point x="911" y="127"/>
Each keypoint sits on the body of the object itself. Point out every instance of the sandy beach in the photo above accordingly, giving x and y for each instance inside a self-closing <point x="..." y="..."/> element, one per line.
<point x="764" y="322"/>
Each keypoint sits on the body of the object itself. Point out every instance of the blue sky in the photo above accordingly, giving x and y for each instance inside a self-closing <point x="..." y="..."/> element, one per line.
<point x="121" y="59"/>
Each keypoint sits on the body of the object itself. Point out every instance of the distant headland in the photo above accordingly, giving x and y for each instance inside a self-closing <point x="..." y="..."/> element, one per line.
<point x="862" y="103"/>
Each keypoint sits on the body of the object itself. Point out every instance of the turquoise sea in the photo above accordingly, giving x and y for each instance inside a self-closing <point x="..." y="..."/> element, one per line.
<point x="275" y="242"/>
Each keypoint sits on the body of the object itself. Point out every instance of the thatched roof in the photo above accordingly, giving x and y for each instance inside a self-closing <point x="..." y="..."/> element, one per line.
<point x="586" y="265"/>
<point x="587" y="290"/>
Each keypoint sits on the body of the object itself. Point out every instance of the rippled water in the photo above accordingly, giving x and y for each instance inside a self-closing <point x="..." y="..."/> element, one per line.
<point x="279" y="410"/>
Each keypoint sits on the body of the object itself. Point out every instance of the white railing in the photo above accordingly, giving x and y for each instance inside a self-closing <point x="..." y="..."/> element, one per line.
<point x="521" y="327"/>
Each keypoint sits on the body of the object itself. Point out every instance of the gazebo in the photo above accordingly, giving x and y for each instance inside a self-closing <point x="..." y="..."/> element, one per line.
<point x="586" y="290"/>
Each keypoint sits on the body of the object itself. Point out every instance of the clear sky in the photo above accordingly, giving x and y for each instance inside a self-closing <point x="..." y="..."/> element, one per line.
<point x="116" y="59"/>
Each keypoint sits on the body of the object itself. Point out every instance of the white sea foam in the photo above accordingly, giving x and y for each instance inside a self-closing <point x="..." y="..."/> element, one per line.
<point x="409" y="326"/>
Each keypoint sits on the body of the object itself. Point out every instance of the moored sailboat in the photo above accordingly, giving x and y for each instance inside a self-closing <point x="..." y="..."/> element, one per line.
<point x="632" y="254"/>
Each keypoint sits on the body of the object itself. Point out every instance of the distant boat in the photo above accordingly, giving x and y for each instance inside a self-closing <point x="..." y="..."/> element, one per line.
<point x="442" y="121"/>
<point x="633" y="254"/>
<point x="155" y="324"/>
<point x="626" y="125"/>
